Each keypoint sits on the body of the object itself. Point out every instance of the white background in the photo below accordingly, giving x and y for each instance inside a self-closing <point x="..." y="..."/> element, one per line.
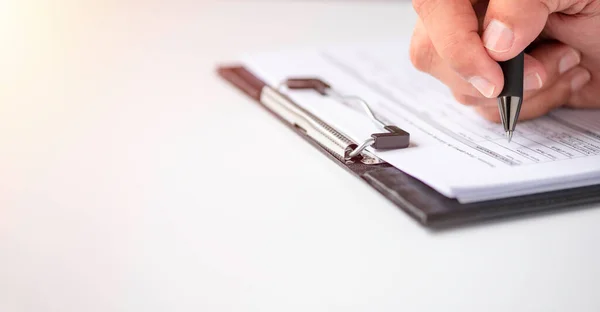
<point x="133" y="179"/>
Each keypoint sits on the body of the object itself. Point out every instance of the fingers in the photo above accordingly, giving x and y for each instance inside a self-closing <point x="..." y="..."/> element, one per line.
<point x="452" y="27"/>
<point x="422" y="52"/>
<point x="535" y="74"/>
<point x="456" y="55"/>
<point x="511" y="25"/>
<point x="543" y="66"/>
<point x="535" y="77"/>
<point x="556" y="95"/>
<point x="425" y="58"/>
<point x="556" y="59"/>
<point x="584" y="92"/>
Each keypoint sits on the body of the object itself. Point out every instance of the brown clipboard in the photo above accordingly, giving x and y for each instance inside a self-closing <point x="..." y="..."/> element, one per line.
<point x="421" y="202"/>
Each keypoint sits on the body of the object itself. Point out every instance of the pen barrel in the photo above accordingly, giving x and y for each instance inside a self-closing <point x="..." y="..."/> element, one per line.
<point x="513" y="75"/>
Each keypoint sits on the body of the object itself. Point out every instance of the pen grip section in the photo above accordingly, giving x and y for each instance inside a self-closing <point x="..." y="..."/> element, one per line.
<point x="513" y="75"/>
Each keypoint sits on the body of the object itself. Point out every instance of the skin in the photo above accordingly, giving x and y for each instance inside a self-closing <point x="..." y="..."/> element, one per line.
<point x="460" y="41"/>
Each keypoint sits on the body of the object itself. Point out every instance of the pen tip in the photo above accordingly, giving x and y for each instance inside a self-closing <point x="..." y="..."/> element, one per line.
<point x="509" y="135"/>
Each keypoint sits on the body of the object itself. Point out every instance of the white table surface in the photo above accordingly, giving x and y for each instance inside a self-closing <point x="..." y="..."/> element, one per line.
<point x="133" y="179"/>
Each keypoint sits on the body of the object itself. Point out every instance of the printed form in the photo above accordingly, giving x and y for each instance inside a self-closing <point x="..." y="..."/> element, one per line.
<point x="453" y="149"/>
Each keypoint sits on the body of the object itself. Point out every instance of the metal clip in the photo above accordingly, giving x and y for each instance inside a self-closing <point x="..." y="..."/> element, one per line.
<point x="394" y="138"/>
<point x="326" y="136"/>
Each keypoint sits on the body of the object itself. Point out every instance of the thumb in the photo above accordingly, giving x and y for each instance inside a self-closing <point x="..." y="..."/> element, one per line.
<point x="511" y="25"/>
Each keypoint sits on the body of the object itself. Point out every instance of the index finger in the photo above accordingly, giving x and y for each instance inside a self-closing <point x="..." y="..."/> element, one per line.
<point x="453" y="28"/>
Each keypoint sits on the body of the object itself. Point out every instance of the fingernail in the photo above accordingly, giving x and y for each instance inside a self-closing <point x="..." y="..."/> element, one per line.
<point x="532" y="82"/>
<point x="498" y="37"/>
<point x="580" y="80"/>
<point x="483" y="86"/>
<point x="568" y="61"/>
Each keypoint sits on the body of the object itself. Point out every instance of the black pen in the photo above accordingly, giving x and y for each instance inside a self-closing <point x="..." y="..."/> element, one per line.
<point x="511" y="97"/>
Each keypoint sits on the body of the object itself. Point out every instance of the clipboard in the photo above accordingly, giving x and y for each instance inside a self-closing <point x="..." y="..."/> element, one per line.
<point x="424" y="204"/>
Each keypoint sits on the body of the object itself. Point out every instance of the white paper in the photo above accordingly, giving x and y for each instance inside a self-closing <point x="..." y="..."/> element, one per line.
<point x="454" y="150"/>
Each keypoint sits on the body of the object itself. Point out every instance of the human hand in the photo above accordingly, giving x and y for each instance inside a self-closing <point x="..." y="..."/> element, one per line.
<point x="562" y="64"/>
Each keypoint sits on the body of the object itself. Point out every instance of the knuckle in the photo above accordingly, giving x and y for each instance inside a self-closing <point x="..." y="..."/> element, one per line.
<point x="550" y="5"/>
<point x="592" y="7"/>
<point x="454" y="52"/>
<point x="421" y="55"/>
<point x="424" y="7"/>
<point x="567" y="6"/>
<point x="414" y="57"/>
<point x="580" y="5"/>
<point x="451" y="47"/>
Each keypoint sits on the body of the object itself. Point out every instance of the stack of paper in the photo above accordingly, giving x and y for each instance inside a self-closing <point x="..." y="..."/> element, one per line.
<point x="453" y="150"/>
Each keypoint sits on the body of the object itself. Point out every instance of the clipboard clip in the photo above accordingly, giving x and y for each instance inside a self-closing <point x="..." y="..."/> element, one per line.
<point x="393" y="138"/>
